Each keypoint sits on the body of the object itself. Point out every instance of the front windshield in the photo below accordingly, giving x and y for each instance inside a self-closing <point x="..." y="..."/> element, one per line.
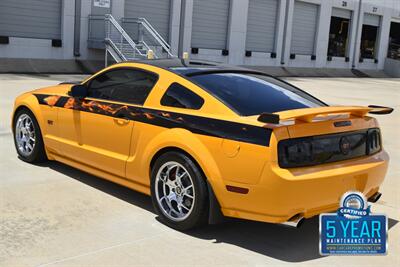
<point x="253" y="94"/>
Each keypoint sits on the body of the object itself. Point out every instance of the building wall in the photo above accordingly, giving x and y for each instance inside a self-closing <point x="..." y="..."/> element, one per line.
<point x="181" y="33"/>
<point x="32" y="48"/>
<point x="42" y="48"/>
<point x="389" y="10"/>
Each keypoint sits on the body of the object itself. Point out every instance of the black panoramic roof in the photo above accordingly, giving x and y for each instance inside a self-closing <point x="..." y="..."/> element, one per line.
<point x="194" y="67"/>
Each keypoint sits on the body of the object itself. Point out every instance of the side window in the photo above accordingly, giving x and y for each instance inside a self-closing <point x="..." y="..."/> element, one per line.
<point x="124" y="85"/>
<point x="179" y="96"/>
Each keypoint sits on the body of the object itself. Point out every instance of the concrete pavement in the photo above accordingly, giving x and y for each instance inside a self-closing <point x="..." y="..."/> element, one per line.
<point x="54" y="215"/>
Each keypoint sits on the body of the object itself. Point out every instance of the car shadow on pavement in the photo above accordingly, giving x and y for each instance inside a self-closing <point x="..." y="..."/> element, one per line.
<point x="124" y="193"/>
<point x="277" y="241"/>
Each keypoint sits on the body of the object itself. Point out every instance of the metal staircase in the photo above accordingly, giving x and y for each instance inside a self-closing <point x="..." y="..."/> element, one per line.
<point x="121" y="47"/>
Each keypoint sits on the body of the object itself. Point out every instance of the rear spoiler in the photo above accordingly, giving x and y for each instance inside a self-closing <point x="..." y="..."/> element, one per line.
<point x="70" y="82"/>
<point x="308" y="114"/>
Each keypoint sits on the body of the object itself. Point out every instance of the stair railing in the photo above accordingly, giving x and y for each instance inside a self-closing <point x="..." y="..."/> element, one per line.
<point x="116" y="36"/>
<point x="145" y="25"/>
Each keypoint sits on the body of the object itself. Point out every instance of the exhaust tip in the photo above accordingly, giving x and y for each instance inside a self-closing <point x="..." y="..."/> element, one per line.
<point x="375" y="197"/>
<point x="295" y="222"/>
<point x="300" y="222"/>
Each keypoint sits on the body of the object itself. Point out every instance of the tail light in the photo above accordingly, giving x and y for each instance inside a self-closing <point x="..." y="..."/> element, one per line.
<point x="309" y="151"/>
<point x="298" y="152"/>
<point x="374" y="143"/>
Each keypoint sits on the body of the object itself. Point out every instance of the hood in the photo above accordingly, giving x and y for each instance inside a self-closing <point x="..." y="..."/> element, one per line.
<point x="61" y="89"/>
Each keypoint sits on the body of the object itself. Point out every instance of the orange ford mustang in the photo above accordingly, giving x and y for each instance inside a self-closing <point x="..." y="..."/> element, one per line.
<point x="206" y="141"/>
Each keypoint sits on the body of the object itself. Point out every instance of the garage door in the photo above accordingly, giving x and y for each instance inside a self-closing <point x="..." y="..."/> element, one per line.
<point x="157" y="12"/>
<point x="304" y="28"/>
<point x="341" y="13"/>
<point x="210" y="24"/>
<point x="372" y="20"/>
<point x="261" y="25"/>
<point x="31" y="19"/>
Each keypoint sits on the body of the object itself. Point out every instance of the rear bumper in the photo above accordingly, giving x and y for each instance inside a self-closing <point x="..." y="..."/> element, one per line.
<point x="284" y="193"/>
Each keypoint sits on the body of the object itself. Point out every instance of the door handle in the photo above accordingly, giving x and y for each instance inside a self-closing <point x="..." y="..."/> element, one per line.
<point x="121" y="119"/>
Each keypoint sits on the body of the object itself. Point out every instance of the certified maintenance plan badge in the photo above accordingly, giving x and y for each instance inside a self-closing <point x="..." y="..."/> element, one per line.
<point x="353" y="230"/>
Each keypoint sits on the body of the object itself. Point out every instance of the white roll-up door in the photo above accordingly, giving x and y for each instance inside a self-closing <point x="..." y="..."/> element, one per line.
<point x="31" y="19"/>
<point x="210" y="23"/>
<point x="157" y="12"/>
<point x="341" y="13"/>
<point x="305" y="19"/>
<point x="372" y="20"/>
<point x="261" y="25"/>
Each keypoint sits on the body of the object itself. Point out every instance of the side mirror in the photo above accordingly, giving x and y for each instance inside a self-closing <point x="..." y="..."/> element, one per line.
<point x="78" y="91"/>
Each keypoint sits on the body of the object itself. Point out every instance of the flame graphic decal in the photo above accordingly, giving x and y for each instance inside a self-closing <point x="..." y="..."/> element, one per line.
<point x="52" y="100"/>
<point x="196" y="124"/>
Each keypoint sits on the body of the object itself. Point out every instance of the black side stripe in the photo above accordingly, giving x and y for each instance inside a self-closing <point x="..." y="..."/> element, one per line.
<point x="196" y="124"/>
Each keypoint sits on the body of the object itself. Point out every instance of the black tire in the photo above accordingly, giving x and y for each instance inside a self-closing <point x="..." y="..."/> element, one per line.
<point x="38" y="154"/>
<point x="199" y="214"/>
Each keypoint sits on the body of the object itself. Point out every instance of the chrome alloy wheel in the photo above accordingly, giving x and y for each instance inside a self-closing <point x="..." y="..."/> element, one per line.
<point x="25" y="135"/>
<point x="174" y="191"/>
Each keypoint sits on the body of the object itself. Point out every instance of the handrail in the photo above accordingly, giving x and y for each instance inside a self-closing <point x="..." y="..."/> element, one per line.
<point x="153" y="32"/>
<point x="394" y="44"/>
<point x="150" y="28"/>
<point x="166" y="48"/>
<point x="111" y="19"/>
<point x="114" y="46"/>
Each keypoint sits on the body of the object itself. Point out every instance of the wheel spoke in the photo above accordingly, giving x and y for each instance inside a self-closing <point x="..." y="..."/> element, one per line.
<point x="169" y="168"/>
<point x="163" y="177"/>
<point x="29" y="146"/>
<point x="183" y="175"/>
<point x="189" y="196"/>
<point x="25" y="147"/>
<point x="179" y="207"/>
<point x="188" y="187"/>
<point x="179" y="178"/>
<point x="183" y="206"/>
<point x="179" y="212"/>
<point x="170" y="183"/>
<point x="164" y="186"/>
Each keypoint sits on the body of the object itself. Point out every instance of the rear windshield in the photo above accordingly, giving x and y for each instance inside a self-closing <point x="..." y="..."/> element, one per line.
<point x="253" y="94"/>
